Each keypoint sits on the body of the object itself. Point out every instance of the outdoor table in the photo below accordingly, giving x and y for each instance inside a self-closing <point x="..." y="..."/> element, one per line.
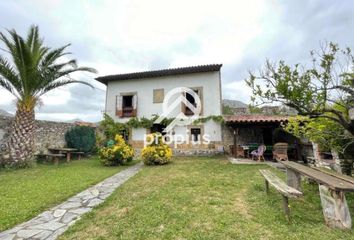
<point x="332" y="189"/>
<point x="66" y="151"/>
<point x="246" y="149"/>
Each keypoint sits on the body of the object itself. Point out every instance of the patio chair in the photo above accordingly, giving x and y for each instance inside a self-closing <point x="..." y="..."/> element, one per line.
<point x="237" y="152"/>
<point x="240" y="152"/>
<point x="280" y="152"/>
<point x="259" y="153"/>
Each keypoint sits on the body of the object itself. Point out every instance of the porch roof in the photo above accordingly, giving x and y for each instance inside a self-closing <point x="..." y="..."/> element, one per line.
<point x="255" y="118"/>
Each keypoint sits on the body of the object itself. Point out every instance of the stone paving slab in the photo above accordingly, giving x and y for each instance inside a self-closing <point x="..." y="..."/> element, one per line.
<point x="243" y="161"/>
<point x="52" y="223"/>
<point x="276" y="165"/>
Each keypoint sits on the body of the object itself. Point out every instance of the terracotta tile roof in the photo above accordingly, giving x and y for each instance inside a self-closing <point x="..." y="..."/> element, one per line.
<point x="160" y="73"/>
<point x="255" y="118"/>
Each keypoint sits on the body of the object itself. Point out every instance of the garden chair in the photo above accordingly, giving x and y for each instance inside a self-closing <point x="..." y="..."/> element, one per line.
<point x="280" y="152"/>
<point x="259" y="153"/>
<point x="240" y="152"/>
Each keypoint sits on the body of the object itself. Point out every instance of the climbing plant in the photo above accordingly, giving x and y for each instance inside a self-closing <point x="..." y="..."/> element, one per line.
<point x="112" y="128"/>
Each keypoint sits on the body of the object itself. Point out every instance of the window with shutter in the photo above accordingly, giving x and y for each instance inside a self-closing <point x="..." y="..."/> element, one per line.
<point x="119" y="106"/>
<point x="135" y="105"/>
<point x="190" y="98"/>
<point x="158" y="95"/>
<point x="127" y="105"/>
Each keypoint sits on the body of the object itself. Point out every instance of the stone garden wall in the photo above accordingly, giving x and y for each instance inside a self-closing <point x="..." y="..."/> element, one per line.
<point x="245" y="135"/>
<point x="48" y="134"/>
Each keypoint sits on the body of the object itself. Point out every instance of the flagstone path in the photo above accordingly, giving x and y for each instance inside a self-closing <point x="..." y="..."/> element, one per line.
<point x="50" y="224"/>
<point x="250" y="161"/>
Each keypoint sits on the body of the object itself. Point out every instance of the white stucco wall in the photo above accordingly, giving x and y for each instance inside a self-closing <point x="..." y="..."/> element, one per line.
<point x="211" y="100"/>
<point x="138" y="134"/>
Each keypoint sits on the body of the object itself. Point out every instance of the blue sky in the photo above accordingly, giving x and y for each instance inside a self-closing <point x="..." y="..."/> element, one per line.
<point x="131" y="35"/>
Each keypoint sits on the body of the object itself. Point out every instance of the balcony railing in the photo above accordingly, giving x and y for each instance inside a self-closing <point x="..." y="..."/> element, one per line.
<point x="128" y="112"/>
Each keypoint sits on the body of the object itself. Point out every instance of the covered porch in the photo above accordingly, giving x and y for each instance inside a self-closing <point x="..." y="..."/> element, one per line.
<point x="246" y="133"/>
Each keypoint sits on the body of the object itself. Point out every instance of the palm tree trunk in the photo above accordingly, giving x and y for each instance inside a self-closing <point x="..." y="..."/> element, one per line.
<point x="20" y="143"/>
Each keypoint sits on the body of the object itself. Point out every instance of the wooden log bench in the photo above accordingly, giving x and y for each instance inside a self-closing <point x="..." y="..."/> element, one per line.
<point x="54" y="156"/>
<point x="332" y="188"/>
<point x="285" y="190"/>
<point x="78" y="154"/>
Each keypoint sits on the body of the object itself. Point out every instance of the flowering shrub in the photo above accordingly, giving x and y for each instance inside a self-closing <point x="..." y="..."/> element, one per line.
<point x="156" y="153"/>
<point x="116" y="154"/>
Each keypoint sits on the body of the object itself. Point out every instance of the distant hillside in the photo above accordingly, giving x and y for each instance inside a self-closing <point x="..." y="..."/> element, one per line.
<point x="4" y="113"/>
<point x="231" y="107"/>
<point x="74" y="120"/>
<point x="234" y="103"/>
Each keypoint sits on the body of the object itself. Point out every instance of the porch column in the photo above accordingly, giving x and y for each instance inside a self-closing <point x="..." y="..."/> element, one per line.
<point x="235" y="142"/>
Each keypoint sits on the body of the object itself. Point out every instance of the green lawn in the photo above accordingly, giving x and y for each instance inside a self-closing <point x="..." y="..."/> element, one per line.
<point x="27" y="192"/>
<point x="204" y="198"/>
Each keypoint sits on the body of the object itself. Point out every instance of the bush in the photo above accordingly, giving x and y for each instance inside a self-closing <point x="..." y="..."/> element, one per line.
<point x="82" y="138"/>
<point x="116" y="154"/>
<point x="157" y="153"/>
<point x="110" y="128"/>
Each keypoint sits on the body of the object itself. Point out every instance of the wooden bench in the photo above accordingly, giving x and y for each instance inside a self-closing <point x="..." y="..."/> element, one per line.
<point x="285" y="190"/>
<point x="79" y="154"/>
<point x="66" y="151"/>
<point x="54" y="156"/>
<point x="332" y="188"/>
<point x="335" y="174"/>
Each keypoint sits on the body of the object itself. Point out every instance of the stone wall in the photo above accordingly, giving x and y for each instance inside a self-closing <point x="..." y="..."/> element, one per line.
<point x="214" y="148"/>
<point x="48" y="134"/>
<point x="245" y="136"/>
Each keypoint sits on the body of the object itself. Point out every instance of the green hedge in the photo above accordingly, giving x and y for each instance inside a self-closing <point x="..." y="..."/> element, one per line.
<point x="82" y="138"/>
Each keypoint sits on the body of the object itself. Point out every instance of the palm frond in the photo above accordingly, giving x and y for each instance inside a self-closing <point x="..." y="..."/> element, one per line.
<point x="9" y="87"/>
<point x="61" y="83"/>
<point x="66" y="65"/>
<point x="35" y="69"/>
<point x="9" y="74"/>
<point x="22" y="59"/>
<point x="53" y="55"/>
<point x="78" y="69"/>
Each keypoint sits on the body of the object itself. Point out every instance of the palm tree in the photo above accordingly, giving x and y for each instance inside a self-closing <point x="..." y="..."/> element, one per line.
<point x="33" y="70"/>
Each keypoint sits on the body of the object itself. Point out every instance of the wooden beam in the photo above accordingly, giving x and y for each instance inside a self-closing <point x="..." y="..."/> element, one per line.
<point x="293" y="179"/>
<point x="267" y="186"/>
<point x="280" y="185"/>
<point x="335" y="208"/>
<point x="286" y="207"/>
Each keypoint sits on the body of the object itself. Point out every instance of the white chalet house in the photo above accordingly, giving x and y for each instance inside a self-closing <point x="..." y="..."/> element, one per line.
<point x="141" y="94"/>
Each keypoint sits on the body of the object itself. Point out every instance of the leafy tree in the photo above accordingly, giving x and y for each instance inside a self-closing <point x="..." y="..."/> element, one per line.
<point x="328" y="134"/>
<point x="227" y="110"/>
<point x="312" y="91"/>
<point x="31" y="71"/>
<point x="254" y="109"/>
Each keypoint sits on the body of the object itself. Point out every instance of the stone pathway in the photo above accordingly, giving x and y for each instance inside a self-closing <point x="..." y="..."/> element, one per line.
<point x="250" y="161"/>
<point x="243" y="161"/>
<point x="50" y="224"/>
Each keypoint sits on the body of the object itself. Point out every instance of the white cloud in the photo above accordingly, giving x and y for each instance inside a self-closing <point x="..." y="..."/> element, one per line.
<point x="237" y="90"/>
